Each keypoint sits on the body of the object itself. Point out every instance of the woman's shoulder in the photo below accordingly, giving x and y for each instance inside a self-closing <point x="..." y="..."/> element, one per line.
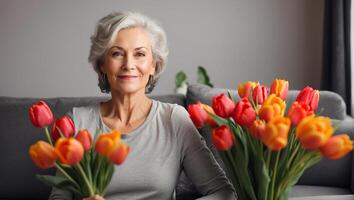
<point x="85" y="110"/>
<point x="175" y="114"/>
<point x="171" y="109"/>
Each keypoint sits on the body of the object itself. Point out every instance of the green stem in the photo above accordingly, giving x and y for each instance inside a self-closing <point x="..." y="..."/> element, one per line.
<point x="274" y="175"/>
<point x="269" y="155"/>
<point x="89" y="186"/>
<point x="293" y="155"/>
<point x="48" y="135"/>
<point x="66" y="175"/>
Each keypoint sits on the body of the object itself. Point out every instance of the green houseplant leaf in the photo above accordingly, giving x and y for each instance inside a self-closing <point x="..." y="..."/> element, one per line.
<point x="203" y="77"/>
<point x="180" y="78"/>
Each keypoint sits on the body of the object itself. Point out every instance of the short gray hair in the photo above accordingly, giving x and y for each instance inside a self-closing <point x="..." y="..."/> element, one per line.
<point x="105" y="33"/>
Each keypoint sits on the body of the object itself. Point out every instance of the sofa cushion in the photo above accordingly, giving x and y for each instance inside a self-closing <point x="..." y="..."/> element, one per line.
<point x="17" y="171"/>
<point x="325" y="197"/>
<point x="308" y="190"/>
<point x="326" y="172"/>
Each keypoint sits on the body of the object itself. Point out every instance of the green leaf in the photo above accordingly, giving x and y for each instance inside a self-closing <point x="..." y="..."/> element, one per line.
<point x="54" y="181"/>
<point x="203" y="77"/>
<point x="180" y="78"/>
<point x="57" y="181"/>
<point x="230" y="95"/>
<point x="219" y="120"/>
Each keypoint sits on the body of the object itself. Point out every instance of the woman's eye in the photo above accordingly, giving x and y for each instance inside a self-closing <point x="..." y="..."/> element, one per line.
<point x="140" y="54"/>
<point x="117" y="53"/>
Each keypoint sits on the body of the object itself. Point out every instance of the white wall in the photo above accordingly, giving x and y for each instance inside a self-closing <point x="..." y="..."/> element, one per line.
<point x="44" y="44"/>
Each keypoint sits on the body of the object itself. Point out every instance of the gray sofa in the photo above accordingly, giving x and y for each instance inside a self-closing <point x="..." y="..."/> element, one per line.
<point x="326" y="180"/>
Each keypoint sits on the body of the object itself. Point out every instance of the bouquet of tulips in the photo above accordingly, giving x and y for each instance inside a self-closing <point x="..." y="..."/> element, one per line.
<point x="265" y="149"/>
<point x="85" y="169"/>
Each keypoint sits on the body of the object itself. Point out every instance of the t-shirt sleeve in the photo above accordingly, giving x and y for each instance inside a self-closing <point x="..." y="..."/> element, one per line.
<point x="197" y="160"/>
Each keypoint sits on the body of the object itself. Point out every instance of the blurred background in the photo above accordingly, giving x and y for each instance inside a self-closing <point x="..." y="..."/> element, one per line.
<point x="44" y="44"/>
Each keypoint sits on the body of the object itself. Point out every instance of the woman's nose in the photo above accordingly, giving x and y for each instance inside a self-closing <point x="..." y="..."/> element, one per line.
<point x="129" y="63"/>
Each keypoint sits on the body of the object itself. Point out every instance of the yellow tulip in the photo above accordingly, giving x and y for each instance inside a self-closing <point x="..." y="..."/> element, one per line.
<point x="276" y="133"/>
<point x="273" y="106"/>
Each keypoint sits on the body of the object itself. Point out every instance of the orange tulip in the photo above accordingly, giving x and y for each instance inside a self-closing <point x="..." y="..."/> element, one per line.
<point x="313" y="132"/>
<point x="119" y="154"/>
<point x="244" y="89"/>
<point x="298" y="111"/>
<point x="257" y="129"/>
<point x="85" y="138"/>
<point x="40" y="114"/>
<point x="107" y="142"/>
<point x="223" y="138"/>
<point x="210" y="121"/>
<point x="272" y="107"/>
<point x="337" y="147"/>
<point x="69" y="150"/>
<point x="280" y="88"/>
<point x="276" y="133"/>
<point x="43" y="154"/>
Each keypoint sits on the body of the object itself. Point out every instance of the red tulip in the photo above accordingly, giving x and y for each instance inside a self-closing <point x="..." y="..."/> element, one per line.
<point x="223" y="105"/>
<point x="43" y="154"/>
<point x="280" y="88"/>
<point x="69" y="150"/>
<point x="85" y="138"/>
<point x="197" y="114"/>
<point x="309" y="96"/>
<point x="66" y="126"/>
<point x="223" y="138"/>
<point x="257" y="129"/>
<point x="119" y="154"/>
<point x="40" y="114"/>
<point x="298" y="111"/>
<point x="210" y="121"/>
<point x="337" y="146"/>
<point x="260" y="94"/>
<point x="244" y="113"/>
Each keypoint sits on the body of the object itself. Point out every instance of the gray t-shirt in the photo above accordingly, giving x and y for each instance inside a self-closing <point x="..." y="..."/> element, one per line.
<point x="165" y="144"/>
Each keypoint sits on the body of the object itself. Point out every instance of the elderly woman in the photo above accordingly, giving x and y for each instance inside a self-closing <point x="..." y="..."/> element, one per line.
<point x="129" y="53"/>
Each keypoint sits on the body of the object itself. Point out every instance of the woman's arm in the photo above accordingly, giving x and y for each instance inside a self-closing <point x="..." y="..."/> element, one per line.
<point x="59" y="194"/>
<point x="197" y="160"/>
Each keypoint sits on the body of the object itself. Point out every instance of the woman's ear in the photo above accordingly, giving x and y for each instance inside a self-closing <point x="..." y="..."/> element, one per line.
<point x="102" y="69"/>
<point x="153" y="67"/>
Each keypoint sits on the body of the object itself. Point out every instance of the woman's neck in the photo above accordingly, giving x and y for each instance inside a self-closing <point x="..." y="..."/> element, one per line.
<point x="127" y="109"/>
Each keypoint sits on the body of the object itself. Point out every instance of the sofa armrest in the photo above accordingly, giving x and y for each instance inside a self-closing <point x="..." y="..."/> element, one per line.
<point x="347" y="126"/>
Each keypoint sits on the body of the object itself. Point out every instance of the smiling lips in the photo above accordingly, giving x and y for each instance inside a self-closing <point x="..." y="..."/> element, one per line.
<point x="127" y="77"/>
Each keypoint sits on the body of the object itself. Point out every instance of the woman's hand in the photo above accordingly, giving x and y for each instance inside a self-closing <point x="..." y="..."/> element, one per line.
<point x="96" y="197"/>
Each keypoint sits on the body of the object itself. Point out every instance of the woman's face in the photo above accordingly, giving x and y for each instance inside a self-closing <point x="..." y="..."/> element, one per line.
<point x="129" y="62"/>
